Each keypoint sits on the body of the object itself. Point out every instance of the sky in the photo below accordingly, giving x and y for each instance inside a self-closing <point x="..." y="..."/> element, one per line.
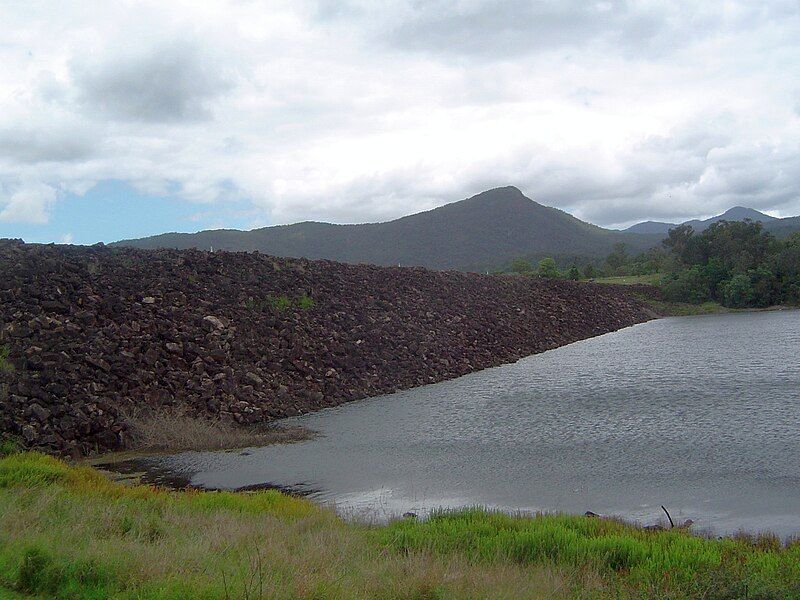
<point x="131" y="118"/>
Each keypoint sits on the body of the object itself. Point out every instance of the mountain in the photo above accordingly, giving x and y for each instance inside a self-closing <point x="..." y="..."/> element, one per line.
<point x="651" y="227"/>
<point x="737" y="213"/>
<point x="480" y="233"/>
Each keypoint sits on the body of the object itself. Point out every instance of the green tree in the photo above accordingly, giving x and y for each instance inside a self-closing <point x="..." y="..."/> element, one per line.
<point x="589" y="272"/>
<point x="521" y="265"/>
<point x="737" y="291"/>
<point x="574" y="273"/>
<point x="548" y="268"/>
<point x="617" y="259"/>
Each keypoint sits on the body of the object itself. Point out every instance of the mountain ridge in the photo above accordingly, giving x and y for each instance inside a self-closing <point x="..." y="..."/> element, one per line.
<point x="478" y="233"/>
<point x="481" y="233"/>
<point x="735" y="213"/>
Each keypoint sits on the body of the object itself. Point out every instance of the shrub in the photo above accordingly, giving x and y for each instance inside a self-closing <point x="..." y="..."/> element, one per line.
<point x="548" y="269"/>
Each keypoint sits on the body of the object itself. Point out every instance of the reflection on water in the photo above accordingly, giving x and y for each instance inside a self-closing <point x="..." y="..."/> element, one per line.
<point x="700" y="414"/>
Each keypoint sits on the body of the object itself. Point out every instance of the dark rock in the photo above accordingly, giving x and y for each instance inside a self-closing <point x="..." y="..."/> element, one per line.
<point x="88" y="345"/>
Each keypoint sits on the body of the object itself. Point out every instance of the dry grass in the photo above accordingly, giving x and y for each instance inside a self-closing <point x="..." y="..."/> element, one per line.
<point x="176" y="431"/>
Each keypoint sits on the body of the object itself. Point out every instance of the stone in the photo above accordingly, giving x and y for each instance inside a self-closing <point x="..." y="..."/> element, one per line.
<point x="40" y="412"/>
<point x="214" y="322"/>
<point x="87" y="349"/>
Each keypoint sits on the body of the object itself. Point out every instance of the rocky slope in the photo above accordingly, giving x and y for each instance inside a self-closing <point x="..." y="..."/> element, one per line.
<point x="94" y="332"/>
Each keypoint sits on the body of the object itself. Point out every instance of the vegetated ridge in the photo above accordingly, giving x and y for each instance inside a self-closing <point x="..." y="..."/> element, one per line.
<point x="778" y="227"/>
<point x="477" y="234"/>
<point x="94" y="332"/>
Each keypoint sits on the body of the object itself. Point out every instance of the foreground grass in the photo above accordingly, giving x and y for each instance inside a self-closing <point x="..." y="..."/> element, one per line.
<point x="68" y="532"/>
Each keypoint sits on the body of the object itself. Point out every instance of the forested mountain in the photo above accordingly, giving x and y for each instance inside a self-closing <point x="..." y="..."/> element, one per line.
<point x="476" y="234"/>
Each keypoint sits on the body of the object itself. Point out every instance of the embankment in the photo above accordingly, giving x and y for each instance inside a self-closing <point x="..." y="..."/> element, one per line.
<point x="95" y="332"/>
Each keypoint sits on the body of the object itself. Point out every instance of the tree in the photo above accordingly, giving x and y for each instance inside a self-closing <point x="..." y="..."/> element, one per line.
<point x="617" y="259"/>
<point x="589" y="272"/>
<point x="574" y="273"/>
<point x="548" y="268"/>
<point x="737" y="292"/>
<point x="520" y="265"/>
<point x="678" y="239"/>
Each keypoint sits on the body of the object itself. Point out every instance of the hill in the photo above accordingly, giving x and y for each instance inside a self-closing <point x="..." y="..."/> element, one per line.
<point x="737" y="213"/>
<point x="95" y="333"/>
<point x="480" y="233"/>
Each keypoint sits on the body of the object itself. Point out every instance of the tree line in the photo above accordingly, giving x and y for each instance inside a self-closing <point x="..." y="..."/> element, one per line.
<point x="735" y="263"/>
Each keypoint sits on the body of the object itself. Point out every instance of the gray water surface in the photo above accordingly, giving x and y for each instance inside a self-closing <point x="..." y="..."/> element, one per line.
<point x="701" y="414"/>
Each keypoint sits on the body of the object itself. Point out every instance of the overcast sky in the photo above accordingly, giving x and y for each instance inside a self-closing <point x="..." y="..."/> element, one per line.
<point x="125" y="118"/>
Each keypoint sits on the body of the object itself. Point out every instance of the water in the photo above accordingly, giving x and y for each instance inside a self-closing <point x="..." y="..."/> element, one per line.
<point x="701" y="414"/>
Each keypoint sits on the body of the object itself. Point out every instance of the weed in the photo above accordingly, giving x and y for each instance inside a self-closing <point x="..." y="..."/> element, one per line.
<point x="279" y="303"/>
<point x="305" y="302"/>
<point x="5" y="365"/>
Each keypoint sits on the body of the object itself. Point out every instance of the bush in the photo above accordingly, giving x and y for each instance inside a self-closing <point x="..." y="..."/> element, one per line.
<point x="737" y="292"/>
<point x="548" y="269"/>
<point x="691" y="285"/>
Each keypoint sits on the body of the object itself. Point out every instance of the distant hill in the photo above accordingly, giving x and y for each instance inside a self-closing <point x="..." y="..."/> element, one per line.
<point x="737" y="213"/>
<point x="651" y="227"/>
<point x="480" y="233"/>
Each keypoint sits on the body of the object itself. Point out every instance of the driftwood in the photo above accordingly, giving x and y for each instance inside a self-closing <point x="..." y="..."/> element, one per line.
<point x="671" y="522"/>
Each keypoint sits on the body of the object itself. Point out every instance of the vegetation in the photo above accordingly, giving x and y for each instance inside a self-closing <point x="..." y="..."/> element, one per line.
<point x="176" y="431"/>
<point x="69" y="532"/>
<point x="5" y="365"/>
<point x="736" y="264"/>
<point x="279" y="303"/>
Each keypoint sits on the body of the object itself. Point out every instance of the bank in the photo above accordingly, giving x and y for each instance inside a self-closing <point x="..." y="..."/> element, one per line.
<point x="69" y="532"/>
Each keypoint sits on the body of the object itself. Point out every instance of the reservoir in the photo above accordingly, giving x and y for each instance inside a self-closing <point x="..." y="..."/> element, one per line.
<point x="699" y="414"/>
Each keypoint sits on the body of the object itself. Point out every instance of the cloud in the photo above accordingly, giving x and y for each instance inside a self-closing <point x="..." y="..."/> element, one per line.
<point x="30" y="204"/>
<point x="355" y="111"/>
<point x="57" y="144"/>
<point x="168" y="83"/>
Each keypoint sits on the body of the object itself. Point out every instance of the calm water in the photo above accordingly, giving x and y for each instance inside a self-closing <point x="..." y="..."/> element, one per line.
<point x="701" y="414"/>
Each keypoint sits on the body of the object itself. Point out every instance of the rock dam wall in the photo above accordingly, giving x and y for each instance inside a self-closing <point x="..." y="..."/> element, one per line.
<point x="95" y="332"/>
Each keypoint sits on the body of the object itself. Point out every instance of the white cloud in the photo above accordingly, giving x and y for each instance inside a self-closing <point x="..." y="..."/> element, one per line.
<point x="30" y="204"/>
<point x="353" y="111"/>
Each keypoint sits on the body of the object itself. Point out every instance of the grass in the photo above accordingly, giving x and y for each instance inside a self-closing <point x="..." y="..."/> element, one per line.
<point x="176" y="431"/>
<point x="68" y="532"/>
<point x="279" y="303"/>
<point x="5" y="364"/>
<point x="683" y="309"/>
<point x="651" y="279"/>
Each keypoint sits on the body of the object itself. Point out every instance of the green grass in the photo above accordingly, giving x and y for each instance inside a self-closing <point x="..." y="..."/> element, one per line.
<point x="68" y="532"/>
<point x="683" y="309"/>
<point x="5" y="365"/>
<point x="652" y="279"/>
